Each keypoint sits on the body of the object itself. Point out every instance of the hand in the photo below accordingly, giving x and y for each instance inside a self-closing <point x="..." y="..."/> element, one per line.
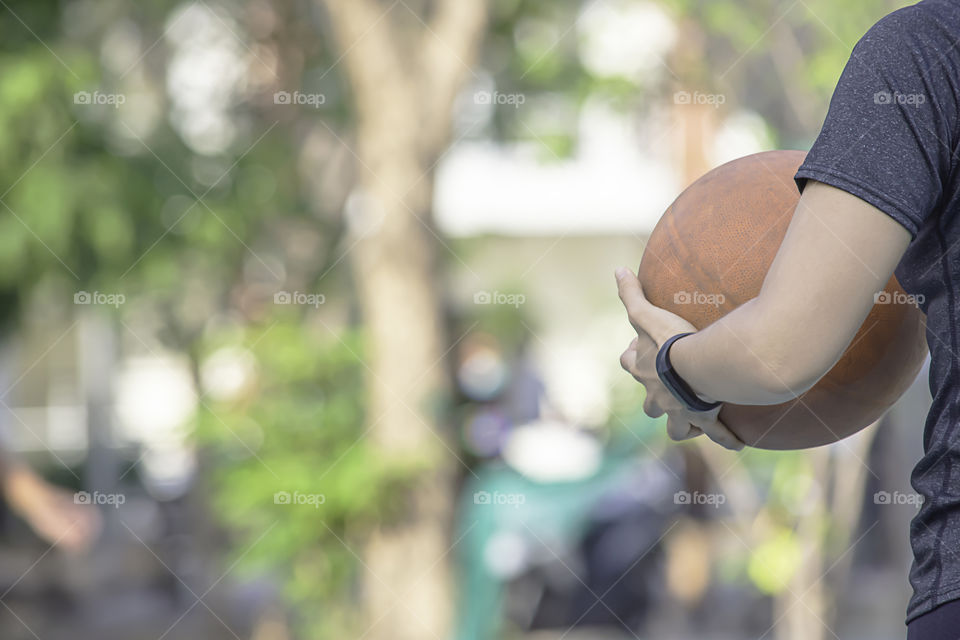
<point x="50" y="511"/>
<point x="655" y="326"/>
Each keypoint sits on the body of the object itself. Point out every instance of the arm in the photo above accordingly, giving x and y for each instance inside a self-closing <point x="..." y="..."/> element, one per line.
<point x="886" y="150"/>
<point x="837" y="253"/>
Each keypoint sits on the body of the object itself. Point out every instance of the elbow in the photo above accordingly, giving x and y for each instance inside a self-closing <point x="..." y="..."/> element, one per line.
<point x="783" y="373"/>
<point x="785" y="382"/>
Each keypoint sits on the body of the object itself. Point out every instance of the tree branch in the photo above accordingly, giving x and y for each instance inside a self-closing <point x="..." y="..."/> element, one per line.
<point x="368" y="50"/>
<point x="448" y="51"/>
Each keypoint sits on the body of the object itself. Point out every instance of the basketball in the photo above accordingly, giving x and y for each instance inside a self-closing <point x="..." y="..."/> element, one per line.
<point x="710" y="252"/>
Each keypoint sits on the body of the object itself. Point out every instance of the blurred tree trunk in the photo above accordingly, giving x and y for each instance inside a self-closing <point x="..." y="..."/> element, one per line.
<point x="405" y="72"/>
<point x="694" y="124"/>
<point x="801" y="608"/>
<point x="827" y="535"/>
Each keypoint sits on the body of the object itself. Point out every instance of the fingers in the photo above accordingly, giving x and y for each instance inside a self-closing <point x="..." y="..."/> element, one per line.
<point x="681" y="425"/>
<point x="686" y="425"/>
<point x="717" y="431"/>
<point x="631" y="294"/>
<point x="678" y="428"/>
<point x="651" y="408"/>
<point x="629" y="357"/>
<point x="636" y="352"/>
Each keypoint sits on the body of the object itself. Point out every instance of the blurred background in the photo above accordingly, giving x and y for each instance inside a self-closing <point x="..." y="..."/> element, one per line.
<point x="309" y="327"/>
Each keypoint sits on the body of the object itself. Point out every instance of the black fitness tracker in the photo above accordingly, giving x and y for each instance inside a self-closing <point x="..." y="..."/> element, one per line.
<point x="672" y="381"/>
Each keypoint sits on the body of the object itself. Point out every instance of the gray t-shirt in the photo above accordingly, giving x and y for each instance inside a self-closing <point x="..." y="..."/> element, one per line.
<point x="891" y="138"/>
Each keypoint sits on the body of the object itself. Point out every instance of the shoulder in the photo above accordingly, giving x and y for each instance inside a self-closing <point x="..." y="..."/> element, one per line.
<point x="914" y="51"/>
<point x="910" y="32"/>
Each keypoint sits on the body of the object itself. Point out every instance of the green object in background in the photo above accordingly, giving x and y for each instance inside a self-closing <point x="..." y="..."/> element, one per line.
<point x="292" y="479"/>
<point x="503" y="512"/>
<point x="774" y="562"/>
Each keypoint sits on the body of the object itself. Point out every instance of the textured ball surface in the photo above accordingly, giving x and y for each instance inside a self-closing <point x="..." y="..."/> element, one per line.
<point x="710" y="253"/>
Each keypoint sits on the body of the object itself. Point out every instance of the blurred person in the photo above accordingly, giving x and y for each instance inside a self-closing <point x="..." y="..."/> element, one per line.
<point x="500" y="388"/>
<point x="51" y="511"/>
<point x="880" y="188"/>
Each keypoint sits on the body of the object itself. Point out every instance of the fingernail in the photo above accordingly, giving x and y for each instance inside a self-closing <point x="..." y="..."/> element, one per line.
<point x="622" y="272"/>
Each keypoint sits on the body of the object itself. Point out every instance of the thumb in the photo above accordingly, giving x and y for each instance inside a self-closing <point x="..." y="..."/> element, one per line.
<point x="632" y="297"/>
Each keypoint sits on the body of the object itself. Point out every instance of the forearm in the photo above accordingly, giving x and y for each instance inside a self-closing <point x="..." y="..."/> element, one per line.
<point x="837" y="252"/>
<point x="746" y="358"/>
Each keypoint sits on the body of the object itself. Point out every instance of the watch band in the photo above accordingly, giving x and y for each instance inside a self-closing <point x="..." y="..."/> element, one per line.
<point x="672" y="380"/>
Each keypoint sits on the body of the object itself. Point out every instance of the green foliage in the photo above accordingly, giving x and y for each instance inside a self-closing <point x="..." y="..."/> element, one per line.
<point x="298" y="432"/>
<point x="90" y="203"/>
<point x="775" y="561"/>
<point x="778" y="58"/>
<point x="84" y="215"/>
<point x="781" y="59"/>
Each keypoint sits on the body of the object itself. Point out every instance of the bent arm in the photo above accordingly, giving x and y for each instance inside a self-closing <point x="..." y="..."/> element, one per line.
<point x="838" y="252"/>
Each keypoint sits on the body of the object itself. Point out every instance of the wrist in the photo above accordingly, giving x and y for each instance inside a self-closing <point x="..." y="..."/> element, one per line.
<point x="706" y="398"/>
<point x="677" y="355"/>
<point x="662" y="334"/>
<point x="676" y="384"/>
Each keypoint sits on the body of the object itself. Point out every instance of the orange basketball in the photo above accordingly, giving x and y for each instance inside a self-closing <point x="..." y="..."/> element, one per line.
<point x="709" y="254"/>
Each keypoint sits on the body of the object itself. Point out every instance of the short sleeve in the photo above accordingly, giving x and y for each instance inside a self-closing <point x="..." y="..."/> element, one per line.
<point x="890" y="133"/>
